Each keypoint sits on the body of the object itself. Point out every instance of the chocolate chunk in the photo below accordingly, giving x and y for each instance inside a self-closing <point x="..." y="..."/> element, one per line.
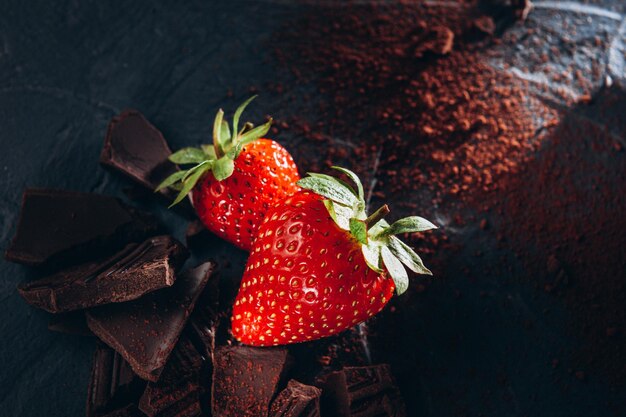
<point x="63" y="226"/>
<point x="127" y="275"/>
<point x="70" y="323"/>
<point x="113" y="384"/>
<point x="177" y="392"/>
<point x="362" y="391"/>
<point x="145" y="331"/>
<point x="137" y="149"/>
<point x="297" y="400"/>
<point x="245" y="379"/>
<point x="205" y="323"/>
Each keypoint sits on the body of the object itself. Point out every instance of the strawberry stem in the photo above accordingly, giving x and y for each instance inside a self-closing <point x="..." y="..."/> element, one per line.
<point x="377" y="216"/>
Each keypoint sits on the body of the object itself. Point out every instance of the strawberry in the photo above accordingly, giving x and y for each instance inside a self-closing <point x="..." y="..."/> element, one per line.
<point x="320" y="265"/>
<point x="234" y="182"/>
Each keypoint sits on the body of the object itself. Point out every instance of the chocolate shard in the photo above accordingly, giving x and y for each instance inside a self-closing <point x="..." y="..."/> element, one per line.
<point x="364" y="391"/>
<point x="127" y="275"/>
<point x="205" y="323"/>
<point x="177" y="392"/>
<point x="70" y="323"/>
<point x="245" y="379"/>
<point x="297" y="400"/>
<point x="112" y="385"/>
<point x="137" y="149"/>
<point x="62" y="227"/>
<point x="145" y="331"/>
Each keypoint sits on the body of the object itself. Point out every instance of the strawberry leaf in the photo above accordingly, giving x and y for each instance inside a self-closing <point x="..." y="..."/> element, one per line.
<point x="218" y="141"/>
<point x="223" y="168"/>
<point x="330" y="178"/>
<point x="188" y="156"/>
<point x="171" y="180"/>
<point x="407" y="256"/>
<point x="209" y="150"/>
<point x="371" y="253"/>
<point x="331" y="189"/>
<point x="238" y="113"/>
<point x="225" y="134"/>
<point x="354" y="178"/>
<point x="396" y="270"/>
<point x="358" y="230"/>
<point x="190" y="182"/>
<point x="339" y="213"/>
<point x="409" y="225"/>
<point x="256" y="133"/>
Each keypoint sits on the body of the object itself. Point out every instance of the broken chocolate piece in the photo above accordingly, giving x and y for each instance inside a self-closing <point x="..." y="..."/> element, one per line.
<point x="134" y="147"/>
<point x="64" y="226"/>
<point x="113" y="384"/>
<point x="145" y="331"/>
<point x="364" y="391"/>
<point x="245" y="379"/>
<point x="177" y="392"/>
<point x="127" y="275"/>
<point x="297" y="400"/>
<point x="70" y="323"/>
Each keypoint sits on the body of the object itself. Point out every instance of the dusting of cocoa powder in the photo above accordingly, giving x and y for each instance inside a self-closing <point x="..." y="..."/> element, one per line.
<point x="405" y="95"/>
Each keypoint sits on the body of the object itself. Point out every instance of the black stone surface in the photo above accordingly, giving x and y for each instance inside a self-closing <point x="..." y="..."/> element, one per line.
<point x="67" y="67"/>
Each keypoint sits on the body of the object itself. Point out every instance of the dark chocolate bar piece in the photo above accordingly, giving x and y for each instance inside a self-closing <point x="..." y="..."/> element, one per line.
<point x="127" y="275"/>
<point x="145" y="331"/>
<point x="113" y="384"/>
<point x="177" y="392"/>
<point x="297" y="400"/>
<point x="363" y="391"/>
<point x="70" y="323"/>
<point x="245" y="379"/>
<point x="62" y="227"/>
<point x="137" y="149"/>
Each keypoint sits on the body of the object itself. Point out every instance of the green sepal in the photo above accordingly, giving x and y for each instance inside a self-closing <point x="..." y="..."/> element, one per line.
<point x="238" y="113"/>
<point x="339" y="213"/>
<point x="331" y="189"/>
<point x="358" y="230"/>
<point x="188" y="156"/>
<point x="209" y="150"/>
<point x="223" y="168"/>
<point x="371" y="253"/>
<point x="255" y="133"/>
<point x="395" y="269"/>
<point x="331" y="178"/>
<point x="190" y="181"/>
<point x="169" y="181"/>
<point x="218" y="141"/>
<point x="409" y="225"/>
<point x="225" y="135"/>
<point x="354" y="178"/>
<point x="407" y="256"/>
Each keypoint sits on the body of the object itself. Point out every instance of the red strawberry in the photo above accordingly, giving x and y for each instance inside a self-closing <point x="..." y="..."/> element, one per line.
<point x="236" y="180"/>
<point x="320" y="266"/>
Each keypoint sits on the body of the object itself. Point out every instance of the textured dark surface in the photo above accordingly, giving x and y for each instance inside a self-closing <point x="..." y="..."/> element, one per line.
<point x="67" y="68"/>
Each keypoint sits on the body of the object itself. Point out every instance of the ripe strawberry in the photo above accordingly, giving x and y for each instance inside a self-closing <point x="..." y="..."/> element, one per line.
<point x="320" y="266"/>
<point x="236" y="180"/>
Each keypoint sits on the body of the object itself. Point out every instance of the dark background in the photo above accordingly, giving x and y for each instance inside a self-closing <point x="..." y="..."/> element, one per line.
<point x="470" y="344"/>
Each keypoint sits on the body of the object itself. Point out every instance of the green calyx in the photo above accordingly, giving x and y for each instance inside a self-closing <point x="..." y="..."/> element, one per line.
<point x="380" y="246"/>
<point x="219" y="157"/>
